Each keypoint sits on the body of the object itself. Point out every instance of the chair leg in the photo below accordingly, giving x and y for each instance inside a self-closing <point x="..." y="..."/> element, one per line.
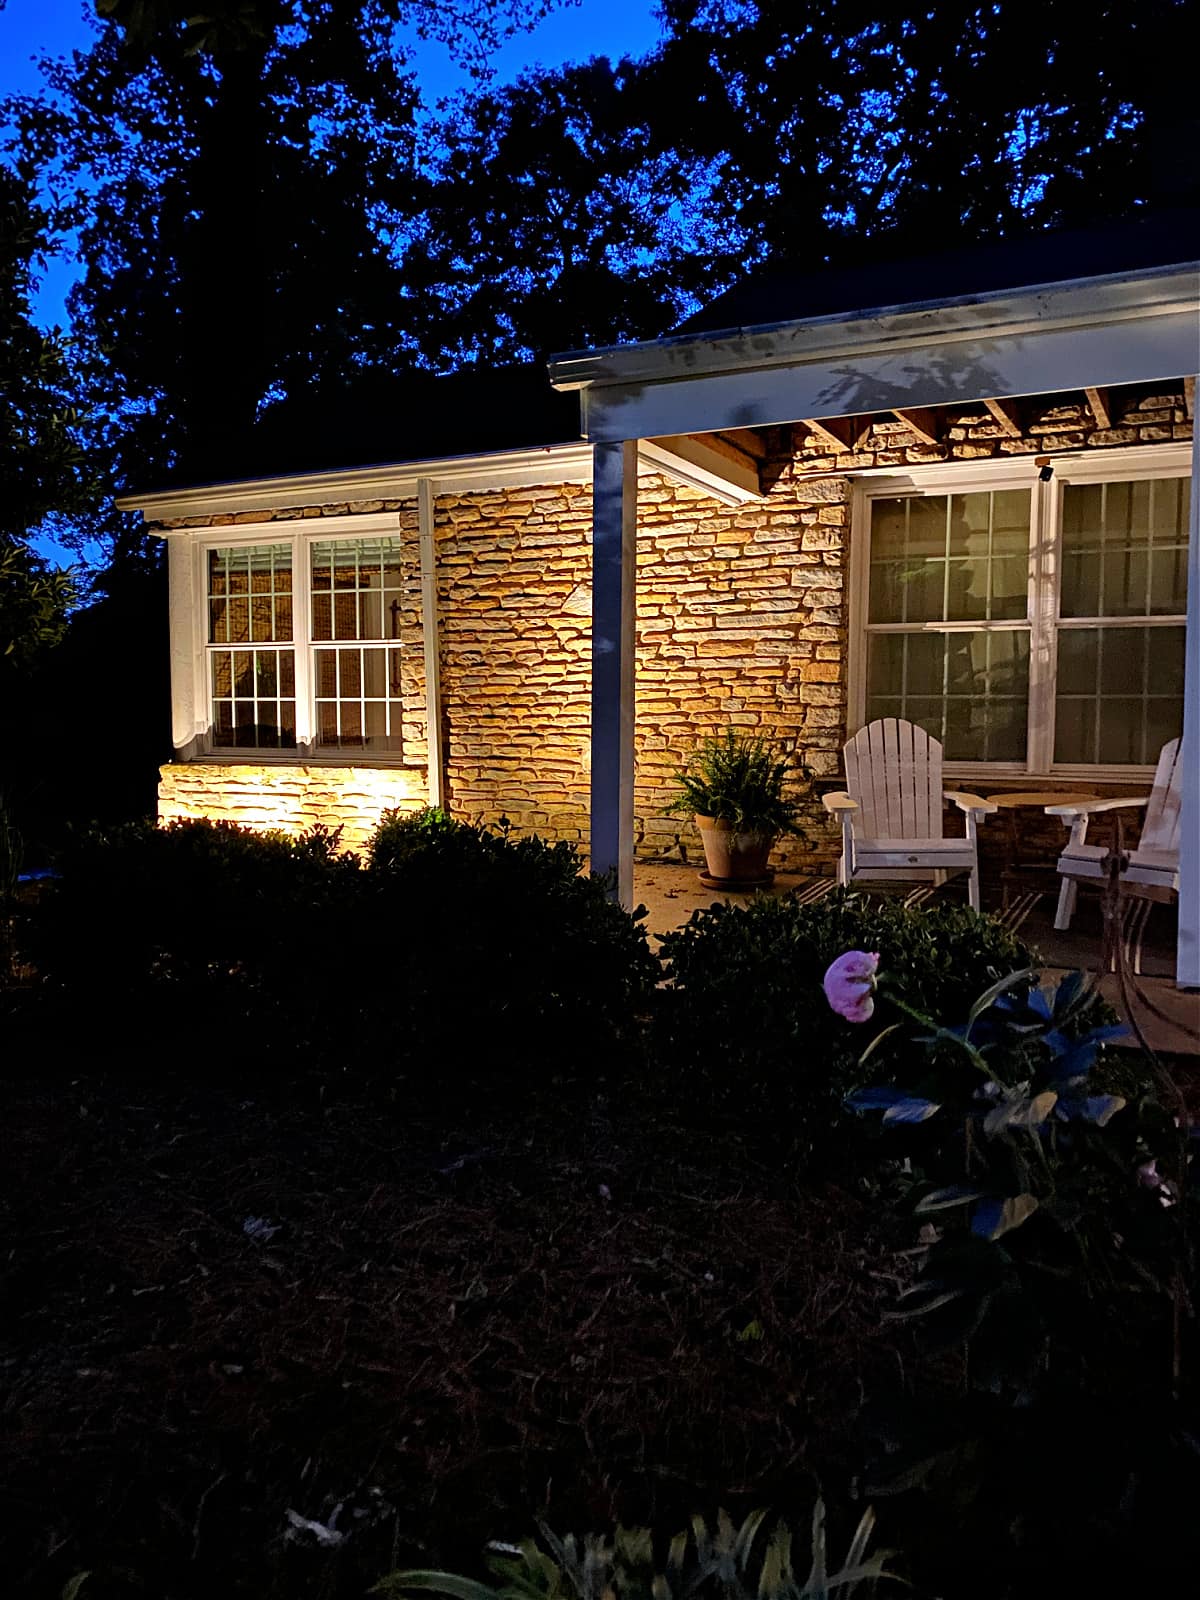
<point x="973" y="887"/>
<point x="1066" y="904"/>
<point x="843" y="871"/>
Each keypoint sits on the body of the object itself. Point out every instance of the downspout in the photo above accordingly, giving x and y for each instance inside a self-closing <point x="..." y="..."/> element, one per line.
<point x="429" y="634"/>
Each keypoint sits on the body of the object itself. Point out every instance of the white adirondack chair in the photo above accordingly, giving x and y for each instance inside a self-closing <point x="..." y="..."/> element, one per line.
<point x="891" y="813"/>
<point x="1153" y="869"/>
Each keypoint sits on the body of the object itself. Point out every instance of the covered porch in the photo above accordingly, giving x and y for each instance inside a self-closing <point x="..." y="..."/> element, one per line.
<point x="1084" y="316"/>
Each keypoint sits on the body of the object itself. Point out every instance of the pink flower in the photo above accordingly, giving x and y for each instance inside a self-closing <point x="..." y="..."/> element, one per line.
<point x="849" y="985"/>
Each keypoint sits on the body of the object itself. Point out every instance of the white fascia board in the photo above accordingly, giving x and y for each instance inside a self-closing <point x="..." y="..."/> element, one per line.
<point x="460" y="475"/>
<point x="942" y="371"/>
<point x="1074" y="303"/>
<point x="509" y="469"/>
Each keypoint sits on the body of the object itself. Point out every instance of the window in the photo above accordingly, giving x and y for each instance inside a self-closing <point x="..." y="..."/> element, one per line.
<point x="1119" y="688"/>
<point x="252" y="674"/>
<point x="1033" y="626"/>
<point x="302" y="643"/>
<point x="356" y="596"/>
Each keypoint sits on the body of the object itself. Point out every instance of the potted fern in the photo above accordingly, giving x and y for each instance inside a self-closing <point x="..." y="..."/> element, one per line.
<point x="743" y="793"/>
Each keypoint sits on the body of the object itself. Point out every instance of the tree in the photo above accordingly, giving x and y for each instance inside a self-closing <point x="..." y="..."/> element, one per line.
<point x="555" y="217"/>
<point x="236" y="178"/>
<point x="41" y="462"/>
<point x="936" y="125"/>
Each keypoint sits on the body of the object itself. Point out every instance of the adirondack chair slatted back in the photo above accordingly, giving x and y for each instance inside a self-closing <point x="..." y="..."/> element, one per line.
<point x="1160" y="830"/>
<point x="894" y="773"/>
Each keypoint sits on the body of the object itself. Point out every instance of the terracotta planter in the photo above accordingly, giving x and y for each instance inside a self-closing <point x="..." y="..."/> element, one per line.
<point x="734" y="860"/>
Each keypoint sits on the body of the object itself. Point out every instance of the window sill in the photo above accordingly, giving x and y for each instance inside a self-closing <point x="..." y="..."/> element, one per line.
<point x="298" y="758"/>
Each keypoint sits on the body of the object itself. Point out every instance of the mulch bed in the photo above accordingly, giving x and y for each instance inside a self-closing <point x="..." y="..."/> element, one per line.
<point x="581" y="1310"/>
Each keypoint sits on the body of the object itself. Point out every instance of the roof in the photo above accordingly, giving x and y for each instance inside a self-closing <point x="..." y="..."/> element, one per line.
<point x="382" y="418"/>
<point x="787" y="292"/>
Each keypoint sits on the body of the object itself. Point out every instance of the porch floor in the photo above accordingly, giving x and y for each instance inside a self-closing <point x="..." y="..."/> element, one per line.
<point x="671" y="891"/>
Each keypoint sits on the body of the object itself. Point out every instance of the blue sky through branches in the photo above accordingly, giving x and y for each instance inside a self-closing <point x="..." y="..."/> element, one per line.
<point x="30" y="29"/>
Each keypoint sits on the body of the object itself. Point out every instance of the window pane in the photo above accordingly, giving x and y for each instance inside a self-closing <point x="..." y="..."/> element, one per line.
<point x="374" y="677"/>
<point x="969" y="690"/>
<point x="253" y="576"/>
<point x="326" y="674"/>
<point x="247" y="707"/>
<point x="359" y="688"/>
<point x="957" y="558"/>
<point x="1119" y="694"/>
<point x="360" y="571"/>
<point x="1124" y="548"/>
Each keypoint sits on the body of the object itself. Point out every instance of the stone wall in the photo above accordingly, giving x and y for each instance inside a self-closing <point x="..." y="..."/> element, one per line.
<point x="1136" y="414"/>
<point x="290" y="797"/>
<point x="741" y="621"/>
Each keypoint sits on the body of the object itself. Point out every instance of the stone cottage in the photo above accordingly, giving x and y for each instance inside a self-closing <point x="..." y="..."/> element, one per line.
<point x="955" y="490"/>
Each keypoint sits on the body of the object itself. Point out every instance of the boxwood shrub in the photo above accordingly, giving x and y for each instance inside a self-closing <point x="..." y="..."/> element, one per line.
<point x="493" y="953"/>
<point x="744" y="1026"/>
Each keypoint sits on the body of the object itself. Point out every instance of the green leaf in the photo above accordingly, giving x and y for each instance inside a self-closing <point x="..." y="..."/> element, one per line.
<point x="73" y="1585"/>
<point x="996" y="1217"/>
<point x="1001" y="986"/>
<point x="418" y="1580"/>
<point x="957" y="1194"/>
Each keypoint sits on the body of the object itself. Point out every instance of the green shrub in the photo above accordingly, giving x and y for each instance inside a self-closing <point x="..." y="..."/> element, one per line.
<point x="745" y="1025"/>
<point x="520" y="952"/>
<point x="168" y="933"/>
<point x="487" y="952"/>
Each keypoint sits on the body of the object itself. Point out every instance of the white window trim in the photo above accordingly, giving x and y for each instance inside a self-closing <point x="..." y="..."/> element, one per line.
<point x="1124" y="465"/>
<point x="301" y="534"/>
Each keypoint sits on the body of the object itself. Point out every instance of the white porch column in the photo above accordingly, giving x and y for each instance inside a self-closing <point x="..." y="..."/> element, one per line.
<point x="436" y="784"/>
<point x="614" y="574"/>
<point x="1187" y="955"/>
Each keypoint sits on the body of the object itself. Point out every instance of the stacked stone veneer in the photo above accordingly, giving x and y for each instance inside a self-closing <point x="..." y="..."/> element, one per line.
<point x="289" y="797"/>
<point x="741" y="622"/>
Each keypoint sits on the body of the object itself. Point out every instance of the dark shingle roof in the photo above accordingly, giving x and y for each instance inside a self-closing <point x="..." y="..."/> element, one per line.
<point x="790" y="293"/>
<point x="383" y="418"/>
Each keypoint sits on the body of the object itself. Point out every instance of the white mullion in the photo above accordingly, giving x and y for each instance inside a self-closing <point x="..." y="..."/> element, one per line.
<point x="302" y="645"/>
<point x="1045" y="581"/>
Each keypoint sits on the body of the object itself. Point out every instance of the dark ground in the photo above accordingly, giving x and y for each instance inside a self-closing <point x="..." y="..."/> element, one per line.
<point x="463" y="1321"/>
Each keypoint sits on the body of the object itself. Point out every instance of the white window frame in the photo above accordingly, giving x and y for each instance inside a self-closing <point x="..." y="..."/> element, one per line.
<point x="301" y="535"/>
<point x="1098" y="466"/>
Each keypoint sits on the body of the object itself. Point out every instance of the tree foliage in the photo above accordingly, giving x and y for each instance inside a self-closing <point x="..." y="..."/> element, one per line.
<point x="41" y="464"/>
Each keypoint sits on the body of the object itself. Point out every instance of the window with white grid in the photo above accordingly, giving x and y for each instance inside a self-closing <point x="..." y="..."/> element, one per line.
<point x="251" y="660"/>
<point x="1121" y="620"/>
<point x="355" y="614"/>
<point x="1029" y="626"/>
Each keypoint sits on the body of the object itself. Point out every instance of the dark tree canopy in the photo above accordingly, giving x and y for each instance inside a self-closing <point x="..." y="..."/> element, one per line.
<point x="265" y="209"/>
<point x="41" y="460"/>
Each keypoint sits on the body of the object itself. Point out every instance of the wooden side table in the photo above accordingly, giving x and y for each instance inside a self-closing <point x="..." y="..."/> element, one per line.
<point x="1033" y="800"/>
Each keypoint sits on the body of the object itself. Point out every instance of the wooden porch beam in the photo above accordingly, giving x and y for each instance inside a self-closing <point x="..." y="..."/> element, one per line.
<point x="1097" y="399"/>
<point x="924" y="421"/>
<point x="839" y="433"/>
<point x="1007" y="413"/>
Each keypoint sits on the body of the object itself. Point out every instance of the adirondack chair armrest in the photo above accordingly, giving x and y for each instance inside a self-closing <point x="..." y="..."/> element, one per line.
<point x="970" y="802"/>
<point x="838" y="802"/>
<point x="1088" y="808"/>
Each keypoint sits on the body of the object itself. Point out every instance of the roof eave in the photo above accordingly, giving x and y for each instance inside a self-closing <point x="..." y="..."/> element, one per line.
<point x="1072" y="302"/>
